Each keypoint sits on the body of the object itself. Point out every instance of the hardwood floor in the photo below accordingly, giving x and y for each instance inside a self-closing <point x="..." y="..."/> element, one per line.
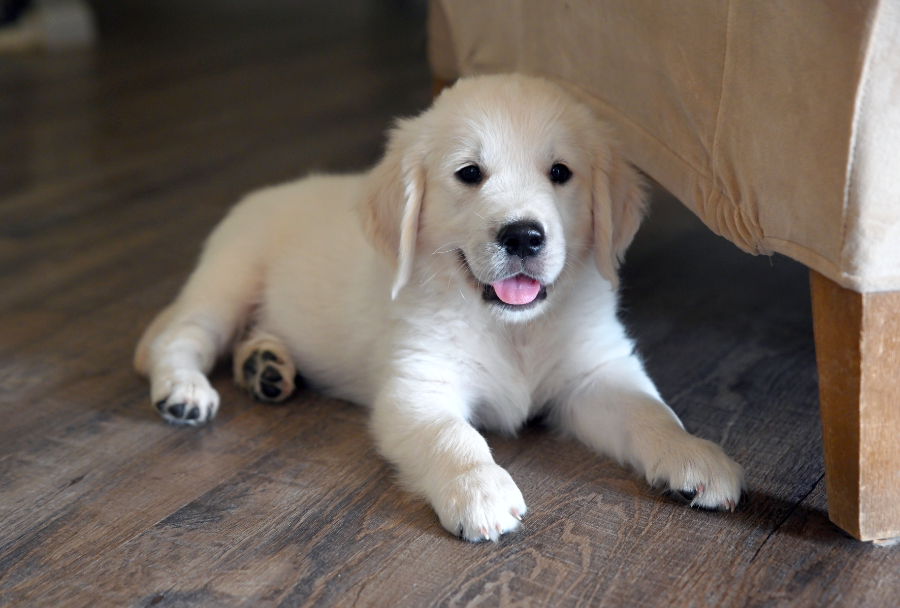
<point x="114" y="165"/>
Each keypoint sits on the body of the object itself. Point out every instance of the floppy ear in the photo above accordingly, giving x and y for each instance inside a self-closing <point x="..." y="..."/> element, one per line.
<point x="619" y="203"/>
<point x="392" y="199"/>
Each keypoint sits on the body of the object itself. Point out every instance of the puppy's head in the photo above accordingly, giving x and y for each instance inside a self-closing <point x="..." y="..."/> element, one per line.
<point x="498" y="191"/>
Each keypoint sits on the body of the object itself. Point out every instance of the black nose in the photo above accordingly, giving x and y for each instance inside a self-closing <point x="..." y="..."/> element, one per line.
<point x="523" y="239"/>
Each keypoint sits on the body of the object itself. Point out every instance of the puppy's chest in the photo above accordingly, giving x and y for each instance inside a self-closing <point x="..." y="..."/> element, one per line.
<point x="509" y="381"/>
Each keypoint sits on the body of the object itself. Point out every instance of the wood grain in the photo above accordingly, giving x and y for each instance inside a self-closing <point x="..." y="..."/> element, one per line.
<point x="858" y="353"/>
<point x="115" y="164"/>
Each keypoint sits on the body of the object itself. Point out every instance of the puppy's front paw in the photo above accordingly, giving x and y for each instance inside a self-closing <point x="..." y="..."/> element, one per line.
<point x="700" y="471"/>
<point x="186" y="398"/>
<point x="481" y="504"/>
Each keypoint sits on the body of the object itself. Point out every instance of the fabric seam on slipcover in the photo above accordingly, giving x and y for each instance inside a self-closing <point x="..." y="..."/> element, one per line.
<point x="715" y="139"/>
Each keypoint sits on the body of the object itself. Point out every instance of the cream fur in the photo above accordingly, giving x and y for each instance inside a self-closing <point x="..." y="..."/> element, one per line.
<point x="359" y="282"/>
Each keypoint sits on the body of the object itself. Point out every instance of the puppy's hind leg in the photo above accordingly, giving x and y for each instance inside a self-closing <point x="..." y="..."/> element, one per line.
<point x="176" y="352"/>
<point x="263" y="366"/>
<point x="181" y="346"/>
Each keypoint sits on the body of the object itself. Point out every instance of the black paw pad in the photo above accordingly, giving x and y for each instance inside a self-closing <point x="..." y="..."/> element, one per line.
<point x="250" y="367"/>
<point x="683" y="496"/>
<point x="269" y="392"/>
<point x="181" y="413"/>
<point x="263" y="375"/>
<point x="688" y="495"/>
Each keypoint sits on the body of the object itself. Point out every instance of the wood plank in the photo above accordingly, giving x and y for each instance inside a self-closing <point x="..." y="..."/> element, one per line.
<point x="805" y="560"/>
<point x="858" y="354"/>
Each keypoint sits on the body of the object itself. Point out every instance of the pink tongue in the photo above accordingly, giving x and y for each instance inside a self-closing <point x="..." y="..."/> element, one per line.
<point x="517" y="290"/>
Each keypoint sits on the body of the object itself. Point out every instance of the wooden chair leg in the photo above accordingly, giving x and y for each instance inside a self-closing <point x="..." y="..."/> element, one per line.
<point x="858" y="357"/>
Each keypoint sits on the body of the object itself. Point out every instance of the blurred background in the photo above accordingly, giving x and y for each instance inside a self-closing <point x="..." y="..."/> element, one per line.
<point x="91" y="86"/>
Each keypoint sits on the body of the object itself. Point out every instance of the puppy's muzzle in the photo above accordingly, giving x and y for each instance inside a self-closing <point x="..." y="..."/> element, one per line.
<point x="518" y="289"/>
<point x="522" y="239"/>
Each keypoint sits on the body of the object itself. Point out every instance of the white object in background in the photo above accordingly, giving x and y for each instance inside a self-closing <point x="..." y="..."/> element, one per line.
<point x="50" y="24"/>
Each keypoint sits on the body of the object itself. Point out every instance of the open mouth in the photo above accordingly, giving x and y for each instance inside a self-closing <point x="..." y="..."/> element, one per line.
<point x="519" y="292"/>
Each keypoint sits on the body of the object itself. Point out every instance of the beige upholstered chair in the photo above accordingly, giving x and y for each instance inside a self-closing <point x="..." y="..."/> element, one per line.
<point x="778" y="124"/>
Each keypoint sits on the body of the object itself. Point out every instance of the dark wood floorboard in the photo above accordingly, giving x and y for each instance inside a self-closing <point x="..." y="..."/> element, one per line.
<point x="115" y="164"/>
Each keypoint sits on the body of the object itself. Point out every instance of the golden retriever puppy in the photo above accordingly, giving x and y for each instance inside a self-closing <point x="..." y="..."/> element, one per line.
<point x="468" y="281"/>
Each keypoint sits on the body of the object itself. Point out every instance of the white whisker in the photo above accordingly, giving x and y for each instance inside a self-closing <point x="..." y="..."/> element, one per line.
<point x="431" y="277"/>
<point x="451" y="248"/>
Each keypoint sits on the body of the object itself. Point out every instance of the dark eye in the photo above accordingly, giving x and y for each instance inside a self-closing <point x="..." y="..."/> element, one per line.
<point x="559" y="174"/>
<point x="469" y="174"/>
